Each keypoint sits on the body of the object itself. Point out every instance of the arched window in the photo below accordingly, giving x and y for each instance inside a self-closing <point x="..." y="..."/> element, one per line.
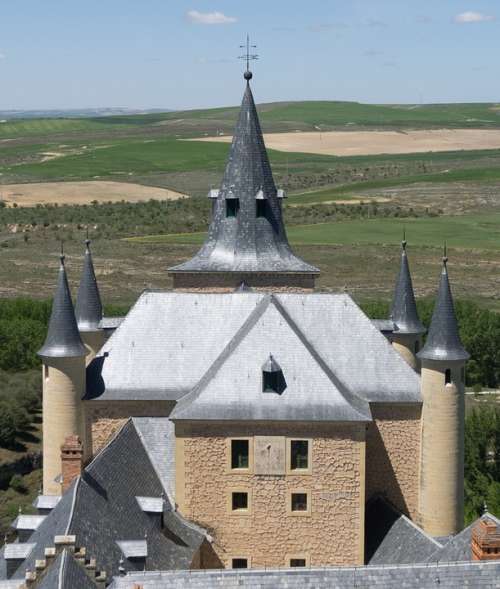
<point x="447" y="376"/>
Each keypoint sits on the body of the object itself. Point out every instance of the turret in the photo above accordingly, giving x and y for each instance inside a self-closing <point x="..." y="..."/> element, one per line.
<point x="408" y="330"/>
<point x="441" y="496"/>
<point x="63" y="364"/>
<point x="88" y="308"/>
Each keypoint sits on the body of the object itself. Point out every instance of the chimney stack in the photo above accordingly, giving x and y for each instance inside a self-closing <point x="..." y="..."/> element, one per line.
<point x="485" y="541"/>
<point x="71" y="460"/>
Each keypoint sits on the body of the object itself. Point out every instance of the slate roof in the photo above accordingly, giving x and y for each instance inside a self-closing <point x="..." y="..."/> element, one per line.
<point x="443" y="340"/>
<point x="458" y="548"/>
<point x="392" y="538"/>
<point x="232" y="388"/>
<point x="169" y="341"/>
<point x="474" y="575"/>
<point x="246" y="242"/>
<point x="100" y="508"/>
<point x="88" y="309"/>
<point x="404" y="308"/>
<point x="63" y="338"/>
<point x="66" y="573"/>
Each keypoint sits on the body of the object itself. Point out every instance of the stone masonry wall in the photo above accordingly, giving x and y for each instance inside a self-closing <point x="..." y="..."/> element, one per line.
<point x="333" y="533"/>
<point x="228" y="281"/>
<point x="104" y="418"/>
<point x="392" y="454"/>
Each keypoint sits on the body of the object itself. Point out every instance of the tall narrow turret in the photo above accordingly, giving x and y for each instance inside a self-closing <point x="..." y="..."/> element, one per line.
<point x="88" y="308"/>
<point x="408" y="330"/>
<point x="63" y="357"/>
<point x="246" y="239"/>
<point x="441" y="500"/>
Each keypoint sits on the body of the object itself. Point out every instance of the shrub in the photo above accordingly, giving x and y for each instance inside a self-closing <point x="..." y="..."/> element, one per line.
<point x="17" y="483"/>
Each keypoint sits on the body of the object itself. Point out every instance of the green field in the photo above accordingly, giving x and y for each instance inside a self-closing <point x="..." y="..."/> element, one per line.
<point x="467" y="231"/>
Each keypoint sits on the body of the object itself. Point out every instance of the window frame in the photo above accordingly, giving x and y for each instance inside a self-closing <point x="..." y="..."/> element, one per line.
<point x="299" y="556"/>
<point x="261" y="209"/>
<point x="239" y="512"/>
<point x="233" y="206"/>
<point x="229" y="456"/>
<point x="298" y="471"/>
<point x="306" y="512"/>
<point x="233" y="557"/>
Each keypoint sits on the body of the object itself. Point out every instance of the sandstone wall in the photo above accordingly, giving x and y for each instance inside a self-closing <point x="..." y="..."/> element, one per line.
<point x="392" y="454"/>
<point x="104" y="418"/>
<point x="333" y="533"/>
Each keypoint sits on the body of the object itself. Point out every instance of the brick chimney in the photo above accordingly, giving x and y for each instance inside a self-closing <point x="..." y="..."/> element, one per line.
<point x="71" y="460"/>
<point x="485" y="540"/>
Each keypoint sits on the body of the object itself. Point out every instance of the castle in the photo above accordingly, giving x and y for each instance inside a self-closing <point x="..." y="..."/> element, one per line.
<point x="243" y="420"/>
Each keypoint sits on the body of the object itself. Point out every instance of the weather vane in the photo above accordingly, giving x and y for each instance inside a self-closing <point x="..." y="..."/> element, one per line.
<point x="248" y="56"/>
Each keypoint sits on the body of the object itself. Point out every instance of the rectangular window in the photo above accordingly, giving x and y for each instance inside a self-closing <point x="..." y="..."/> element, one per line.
<point x="239" y="501"/>
<point x="447" y="376"/>
<point x="232" y="207"/>
<point x="261" y="208"/>
<point x="239" y="563"/>
<point x="239" y="453"/>
<point x="299" y="502"/>
<point x="299" y="454"/>
<point x="297" y="562"/>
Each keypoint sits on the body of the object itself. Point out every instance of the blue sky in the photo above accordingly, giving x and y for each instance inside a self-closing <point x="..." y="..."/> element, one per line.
<point x="182" y="54"/>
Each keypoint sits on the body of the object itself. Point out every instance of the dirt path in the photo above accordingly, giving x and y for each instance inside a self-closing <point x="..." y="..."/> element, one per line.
<point x="29" y="195"/>
<point x="378" y="142"/>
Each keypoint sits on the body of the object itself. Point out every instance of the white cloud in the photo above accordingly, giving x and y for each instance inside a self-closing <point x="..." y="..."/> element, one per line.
<point x="470" y="16"/>
<point x="209" y="18"/>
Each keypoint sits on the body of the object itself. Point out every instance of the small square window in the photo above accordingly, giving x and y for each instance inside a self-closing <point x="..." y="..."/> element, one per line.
<point x="232" y="207"/>
<point x="297" y="562"/>
<point x="239" y="563"/>
<point x="299" y="455"/>
<point x="299" y="502"/>
<point x="239" y="501"/>
<point x="261" y="208"/>
<point x="239" y="453"/>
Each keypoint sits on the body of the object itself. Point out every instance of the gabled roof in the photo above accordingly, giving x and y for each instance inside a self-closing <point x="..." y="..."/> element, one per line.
<point x="247" y="242"/>
<point x="232" y="387"/>
<point x="88" y="308"/>
<point x="63" y="338"/>
<point x="404" y="308"/>
<point x="392" y="538"/>
<point x="66" y="573"/>
<point x="100" y="508"/>
<point x="443" y="340"/>
<point x="169" y="340"/>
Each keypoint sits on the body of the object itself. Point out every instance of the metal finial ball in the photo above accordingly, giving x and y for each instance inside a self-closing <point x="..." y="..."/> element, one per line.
<point x="404" y="243"/>
<point x="445" y="260"/>
<point x="248" y="75"/>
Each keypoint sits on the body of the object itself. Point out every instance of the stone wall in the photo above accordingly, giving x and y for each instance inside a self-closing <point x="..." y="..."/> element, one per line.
<point x="104" y="418"/>
<point x="228" y="281"/>
<point x="333" y="532"/>
<point x="392" y="454"/>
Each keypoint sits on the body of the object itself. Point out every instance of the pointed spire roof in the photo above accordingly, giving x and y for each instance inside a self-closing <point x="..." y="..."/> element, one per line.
<point x="443" y="341"/>
<point x="88" y="309"/>
<point x="404" y="312"/>
<point x="252" y="238"/>
<point x="63" y="339"/>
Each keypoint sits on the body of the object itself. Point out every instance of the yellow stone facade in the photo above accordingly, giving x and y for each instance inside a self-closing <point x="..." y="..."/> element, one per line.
<point x="269" y="535"/>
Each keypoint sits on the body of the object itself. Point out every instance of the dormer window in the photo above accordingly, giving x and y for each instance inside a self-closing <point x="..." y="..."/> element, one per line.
<point x="261" y="208"/>
<point x="273" y="380"/>
<point x="232" y="207"/>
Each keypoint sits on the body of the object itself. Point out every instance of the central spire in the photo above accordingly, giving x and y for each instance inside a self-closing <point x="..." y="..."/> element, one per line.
<point x="247" y="236"/>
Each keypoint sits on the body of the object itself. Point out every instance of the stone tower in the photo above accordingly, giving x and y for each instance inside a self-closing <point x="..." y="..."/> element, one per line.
<point x="63" y="364"/>
<point x="246" y="240"/>
<point x="408" y="330"/>
<point x="441" y="496"/>
<point x="88" y="309"/>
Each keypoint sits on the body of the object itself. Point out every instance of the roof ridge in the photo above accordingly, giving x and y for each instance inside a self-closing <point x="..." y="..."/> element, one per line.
<point x="422" y="532"/>
<point x="233" y="343"/>
<point x="73" y="503"/>
<point x="339" y="385"/>
<point x="64" y="557"/>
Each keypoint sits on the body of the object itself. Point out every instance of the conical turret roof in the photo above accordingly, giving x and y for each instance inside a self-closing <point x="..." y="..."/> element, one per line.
<point x="63" y="339"/>
<point x="88" y="309"/>
<point x="252" y="237"/>
<point x="443" y="341"/>
<point x="404" y="312"/>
